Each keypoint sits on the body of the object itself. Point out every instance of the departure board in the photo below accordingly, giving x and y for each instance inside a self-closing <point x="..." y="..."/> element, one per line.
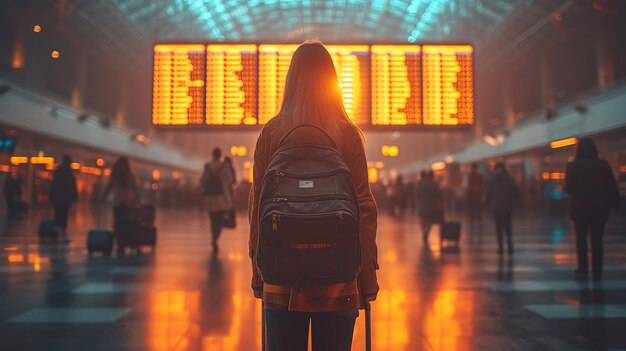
<point x="447" y="85"/>
<point x="231" y="85"/>
<point x="386" y="86"/>
<point x="274" y="63"/>
<point x="352" y="67"/>
<point x="178" y="84"/>
<point x="396" y="85"/>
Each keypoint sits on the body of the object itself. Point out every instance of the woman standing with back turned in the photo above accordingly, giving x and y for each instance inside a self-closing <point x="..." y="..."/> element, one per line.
<point x="313" y="97"/>
<point x="590" y="181"/>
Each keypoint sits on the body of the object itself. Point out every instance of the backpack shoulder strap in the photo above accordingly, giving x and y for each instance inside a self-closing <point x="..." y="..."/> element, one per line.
<point x="307" y="125"/>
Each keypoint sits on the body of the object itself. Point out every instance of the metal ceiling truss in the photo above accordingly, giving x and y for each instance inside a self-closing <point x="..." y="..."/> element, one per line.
<point x="133" y="25"/>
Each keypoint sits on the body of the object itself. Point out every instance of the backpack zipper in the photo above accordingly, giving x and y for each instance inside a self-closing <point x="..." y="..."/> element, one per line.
<point x="278" y="174"/>
<point x="339" y="214"/>
<point x="312" y="198"/>
<point x="275" y="218"/>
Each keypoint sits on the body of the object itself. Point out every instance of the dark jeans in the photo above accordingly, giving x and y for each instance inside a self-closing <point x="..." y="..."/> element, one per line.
<point x="585" y="227"/>
<point x="217" y="224"/>
<point x="61" y="212"/>
<point x="504" y="227"/>
<point x="289" y="331"/>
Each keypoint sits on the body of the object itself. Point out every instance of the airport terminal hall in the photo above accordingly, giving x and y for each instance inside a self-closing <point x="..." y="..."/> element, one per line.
<point x="313" y="175"/>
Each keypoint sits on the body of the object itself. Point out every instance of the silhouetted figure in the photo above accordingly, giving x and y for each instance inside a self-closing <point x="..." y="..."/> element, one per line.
<point x="216" y="183"/>
<point x="594" y="191"/>
<point x="63" y="194"/>
<point x="123" y="188"/>
<point x="429" y="202"/>
<point x="13" y="194"/>
<point x="502" y="196"/>
<point x="474" y="193"/>
<point x="410" y="196"/>
<point x="397" y="197"/>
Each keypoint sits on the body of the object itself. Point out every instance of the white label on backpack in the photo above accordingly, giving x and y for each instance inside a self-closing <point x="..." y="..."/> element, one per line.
<point x="305" y="184"/>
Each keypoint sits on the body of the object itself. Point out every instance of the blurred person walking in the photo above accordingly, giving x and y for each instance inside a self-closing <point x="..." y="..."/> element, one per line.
<point x="122" y="187"/>
<point x="429" y="202"/>
<point x="398" y="197"/>
<point x="502" y="196"/>
<point x="312" y="110"/>
<point x="63" y="194"/>
<point x="590" y="182"/>
<point x="13" y="194"/>
<point x="216" y="182"/>
<point x="474" y="193"/>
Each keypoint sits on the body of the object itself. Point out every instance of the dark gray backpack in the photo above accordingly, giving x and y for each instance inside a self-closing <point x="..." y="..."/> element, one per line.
<point x="309" y="217"/>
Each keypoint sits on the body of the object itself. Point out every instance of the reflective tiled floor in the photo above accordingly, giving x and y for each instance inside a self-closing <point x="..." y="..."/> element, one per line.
<point x="186" y="297"/>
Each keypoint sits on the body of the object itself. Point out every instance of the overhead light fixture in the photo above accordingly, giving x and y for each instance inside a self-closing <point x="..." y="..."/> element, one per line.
<point x="580" y="108"/>
<point x="82" y="117"/>
<point x="500" y="138"/>
<point x="490" y="140"/>
<point x="105" y="122"/>
<point x="4" y="88"/>
<point x="563" y="143"/>
<point x="140" y="138"/>
<point x="438" y="166"/>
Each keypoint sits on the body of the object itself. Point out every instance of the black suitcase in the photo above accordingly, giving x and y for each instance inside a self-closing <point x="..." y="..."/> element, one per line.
<point x="129" y="234"/>
<point x="47" y="229"/>
<point x="100" y="240"/>
<point x="451" y="231"/>
<point x="147" y="213"/>
<point x="149" y="236"/>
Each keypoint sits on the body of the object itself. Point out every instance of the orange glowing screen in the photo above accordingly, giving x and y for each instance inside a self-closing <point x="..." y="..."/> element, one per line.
<point x="178" y="84"/>
<point x="382" y="85"/>
<point x="448" y="91"/>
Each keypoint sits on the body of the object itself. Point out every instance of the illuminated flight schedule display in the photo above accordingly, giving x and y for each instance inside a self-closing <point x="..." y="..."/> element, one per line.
<point x="396" y="91"/>
<point x="386" y="86"/>
<point x="231" y="85"/>
<point x="448" y="91"/>
<point x="178" y="84"/>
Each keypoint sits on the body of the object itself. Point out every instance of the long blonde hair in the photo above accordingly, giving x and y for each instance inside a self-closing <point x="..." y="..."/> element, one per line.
<point x="312" y="94"/>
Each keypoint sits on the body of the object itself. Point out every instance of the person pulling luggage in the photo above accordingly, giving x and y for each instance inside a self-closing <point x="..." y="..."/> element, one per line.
<point x="122" y="187"/>
<point x="216" y="183"/>
<point x="63" y="194"/>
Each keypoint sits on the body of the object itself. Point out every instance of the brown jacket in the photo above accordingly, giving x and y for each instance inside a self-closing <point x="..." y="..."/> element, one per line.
<point x="334" y="297"/>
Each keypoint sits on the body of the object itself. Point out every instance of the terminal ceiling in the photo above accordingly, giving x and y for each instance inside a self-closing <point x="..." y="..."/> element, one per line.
<point x="129" y="25"/>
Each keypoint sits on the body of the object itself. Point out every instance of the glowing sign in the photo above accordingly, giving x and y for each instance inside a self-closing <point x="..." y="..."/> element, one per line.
<point x="382" y="85"/>
<point x="447" y="85"/>
<point x="396" y="98"/>
<point x="178" y="84"/>
<point x="274" y="63"/>
<point x="231" y="85"/>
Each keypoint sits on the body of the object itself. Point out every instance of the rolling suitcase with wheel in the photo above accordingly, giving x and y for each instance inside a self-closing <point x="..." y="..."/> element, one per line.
<point x="451" y="231"/>
<point x="149" y="234"/>
<point x="100" y="240"/>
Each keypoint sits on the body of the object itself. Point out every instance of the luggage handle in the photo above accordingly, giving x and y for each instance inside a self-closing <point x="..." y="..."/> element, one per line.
<point x="368" y="318"/>
<point x="307" y="125"/>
